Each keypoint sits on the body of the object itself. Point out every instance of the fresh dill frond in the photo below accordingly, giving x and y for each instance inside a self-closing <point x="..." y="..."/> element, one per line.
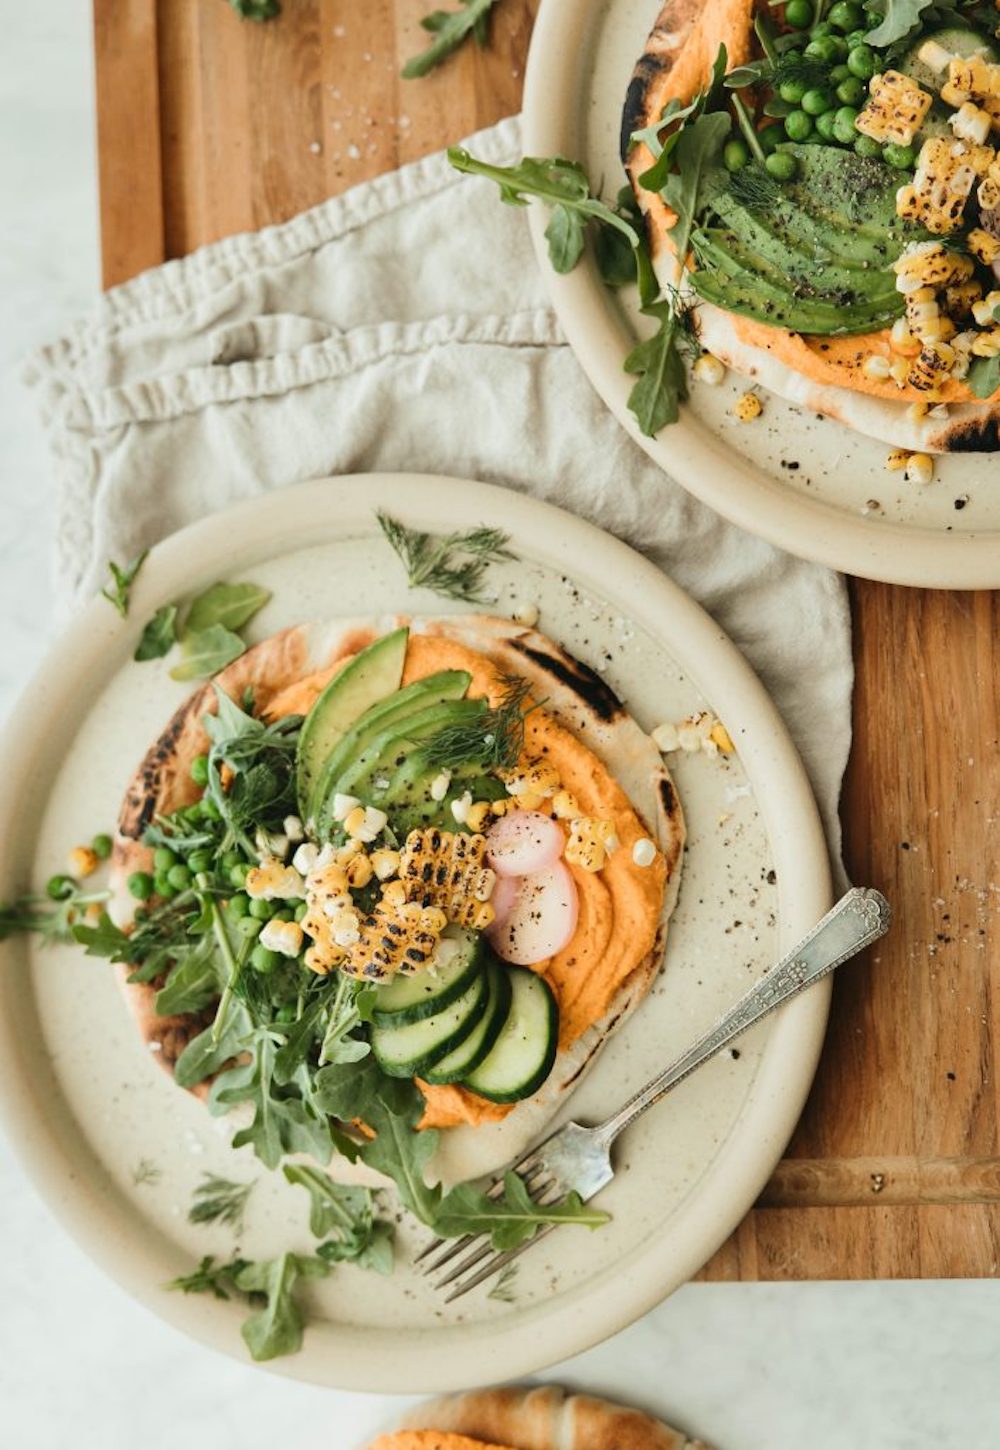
<point x="210" y="1278"/>
<point x="453" y="565"/>
<point x="753" y="187"/>
<point x="494" y="740"/>
<point x="52" y="921"/>
<point x="503" y="1289"/>
<point x="146" y="1172"/>
<point x="799" y="68"/>
<point x="219" y="1200"/>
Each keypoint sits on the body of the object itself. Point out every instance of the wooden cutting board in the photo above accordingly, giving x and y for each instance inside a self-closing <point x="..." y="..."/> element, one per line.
<point x="210" y="125"/>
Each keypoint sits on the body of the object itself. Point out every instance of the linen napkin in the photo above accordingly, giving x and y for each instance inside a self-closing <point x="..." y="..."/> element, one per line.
<point x="401" y="326"/>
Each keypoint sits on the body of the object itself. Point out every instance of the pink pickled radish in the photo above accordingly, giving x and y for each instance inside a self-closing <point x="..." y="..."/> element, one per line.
<point x="503" y="897"/>
<point x="522" y="843"/>
<point x="542" y="919"/>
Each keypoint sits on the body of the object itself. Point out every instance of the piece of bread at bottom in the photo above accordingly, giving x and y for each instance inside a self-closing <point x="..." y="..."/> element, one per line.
<point x="544" y="1417"/>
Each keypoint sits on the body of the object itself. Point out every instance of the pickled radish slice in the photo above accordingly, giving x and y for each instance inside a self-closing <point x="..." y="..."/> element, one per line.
<point x="542" y="919"/>
<point x="522" y="843"/>
<point x="502" y="899"/>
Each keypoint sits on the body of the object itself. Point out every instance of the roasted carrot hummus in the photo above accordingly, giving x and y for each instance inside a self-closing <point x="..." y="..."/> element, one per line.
<point x="431" y="1440"/>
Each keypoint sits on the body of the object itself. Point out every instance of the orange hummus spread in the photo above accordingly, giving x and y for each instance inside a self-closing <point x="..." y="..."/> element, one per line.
<point x="619" y="906"/>
<point x="836" y="361"/>
<point x="431" y="1440"/>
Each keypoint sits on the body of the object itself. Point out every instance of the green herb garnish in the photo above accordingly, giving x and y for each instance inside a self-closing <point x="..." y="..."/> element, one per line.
<point x="450" y="29"/>
<point x="53" y="921"/>
<point x="122" y="579"/>
<point x="275" y="1327"/>
<point x="219" y="1200"/>
<point x="984" y="376"/>
<point x="259" y="10"/>
<point x="492" y="741"/>
<point x="159" y="636"/>
<point x="146" y="1172"/>
<point x="453" y="565"/>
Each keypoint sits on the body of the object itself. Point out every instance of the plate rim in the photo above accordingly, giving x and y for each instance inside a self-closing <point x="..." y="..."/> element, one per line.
<point x="710" y="469"/>
<point x="540" y="1335"/>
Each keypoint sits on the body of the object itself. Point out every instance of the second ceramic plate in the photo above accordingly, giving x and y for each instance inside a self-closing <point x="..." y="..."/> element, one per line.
<point x="807" y="484"/>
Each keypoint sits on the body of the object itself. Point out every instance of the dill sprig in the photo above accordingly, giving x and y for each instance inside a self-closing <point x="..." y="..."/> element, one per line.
<point x="753" y="187"/>
<point x="492" y="741"/>
<point x="453" y="565"/>
<point x="794" y="66"/>
<point x="53" y="922"/>
<point x="219" y="1200"/>
<point x="210" y="1278"/>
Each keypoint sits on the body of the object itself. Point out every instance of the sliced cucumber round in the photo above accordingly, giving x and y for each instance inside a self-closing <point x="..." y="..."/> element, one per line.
<point x="410" y="998"/>
<point x="409" y="1051"/>
<point x="521" y="1058"/>
<point x="469" y="1054"/>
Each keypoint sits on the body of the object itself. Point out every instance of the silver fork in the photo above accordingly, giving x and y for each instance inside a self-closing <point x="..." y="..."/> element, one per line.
<point x="577" y="1159"/>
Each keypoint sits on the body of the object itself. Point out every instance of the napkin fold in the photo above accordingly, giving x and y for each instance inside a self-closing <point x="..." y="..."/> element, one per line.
<point x="401" y="326"/>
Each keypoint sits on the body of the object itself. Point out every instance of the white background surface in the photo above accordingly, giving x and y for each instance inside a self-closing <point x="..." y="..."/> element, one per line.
<point x="751" y="1367"/>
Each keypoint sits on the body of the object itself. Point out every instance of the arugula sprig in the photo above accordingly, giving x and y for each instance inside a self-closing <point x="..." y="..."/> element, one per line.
<point x="453" y="565"/>
<point x="450" y="29"/>
<point x="275" y="1327"/>
<point x="344" y="1216"/>
<point x="122" y="578"/>
<point x="207" y="633"/>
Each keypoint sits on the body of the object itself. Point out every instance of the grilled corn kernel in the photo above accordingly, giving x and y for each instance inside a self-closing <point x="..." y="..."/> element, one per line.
<point x="343" y="805"/>
<point x="354" y="821"/>
<point x="747" y="407"/>
<point x="935" y="56"/>
<point x="709" y="369"/>
<point x="666" y="738"/>
<point x="391" y="939"/>
<point x="941" y="186"/>
<point x="440" y="784"/>
<point x="282" y="936"/>
<point x="532" y="777"/>
<point x="565" y="805"/>
<point x="359" y="872"/>
<point x="919" y="468"/>
<point x="644" y="852"/>
<point x="272" y="880"/>
<point x="460" y="808"/>
<point x="961" y="297"/>
<point x="502" y="807"/>
<point x="325" y="881"/>
<point x="895" y="109"/>
<point x="721" y="738"/>
<point x="82" y="861"/>
<point x="394" y="894"/>
<point x="897" y="459"/>
<point x="590" y="841"/>
<point x="877" y="367"/>
<point x="900" y="369"/>
<point x="346" y="928"/>
<point x="970" y="123"/>
<point x="985" y="311"/>
<point x="305" y="858"/>
<point x="293" y="829"/>
<point x="901" y="339"/>
<point x="988" y="193"/>
<point x="385" y="863"/>
<point x="478" y="815"/>
<point x="987" y="344"/>
<point x="526" y="614"/>
<point x="446" y="869"/>
<point x="432" y="918"/>
<point x="929" y="264"/>
<point x="984" y="245"/>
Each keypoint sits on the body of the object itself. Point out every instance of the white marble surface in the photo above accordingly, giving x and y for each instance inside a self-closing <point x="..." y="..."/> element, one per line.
<point x="752" y="1367"/>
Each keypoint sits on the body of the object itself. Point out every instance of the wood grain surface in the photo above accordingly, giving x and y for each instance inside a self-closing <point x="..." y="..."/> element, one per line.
<point x="210" y="125"/>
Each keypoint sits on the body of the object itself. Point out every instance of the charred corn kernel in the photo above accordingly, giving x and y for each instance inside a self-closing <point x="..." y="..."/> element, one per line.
<point x="709" y="369"/>
<point x="526" y="614"/>
<point x="461" y="807"/>
<point x="969" y="123"/>
<point x="985" y="311"/>
<point x="987" y="344"/>
<point x="932" y="366"/>
<point x="272" y="880"/>
<point x="897" y="459"/>
<point x="665" y="738"/>
<point x="432" y="918"/>
<point x="354" y="821"/>
<point x="502" y="807"/>
<point x="324" y="954"/>
<point x="448" y="869"/>
<point x="988" y="193"/>
<point x="440" y="784"/>
<point x="919" y="468"/>
<point x="721" y="738"/>
<point x="343" y="805"/>
<point x="973" y="76"/>
<point x="82" y="861"/>
<point x="961" y="297"/>
<point x="529" y="801"/>
<point x="901" y="339"/>
<point x="334" y="905"/>
<point x="900" y="369"/>
<point x="305" y="858"/>
<point x="282" y="936"/>
<point x="324" y="881"/>
<point x="385" y="863"/>
<point x="565" y="805"/>
<point x="391" y="939"/>
<point x="917" y="412"/>
<point x="644" y="852"/>
<point x="941" y="186"/>
<point x="478" y="815"/>
<point x="293" y="829"/>
<point x="935" y="56"/>
<point x="929" y="264"/>
<point x="895" y="109"/>
<point x="359" y="872"/>
<point x="877" y="367"/>
<point x="346" y="928"/>
<point x="532" y="777"/>
<point x="394" y="894"/>
<point x="590" y="841"/>
<point x="747" y="407"/>
<point x="984" y="245"/>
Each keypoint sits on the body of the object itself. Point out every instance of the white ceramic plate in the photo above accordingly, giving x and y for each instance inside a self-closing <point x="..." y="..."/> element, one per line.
<point x="117" y="1148"/>
<point x="807" y="484"/>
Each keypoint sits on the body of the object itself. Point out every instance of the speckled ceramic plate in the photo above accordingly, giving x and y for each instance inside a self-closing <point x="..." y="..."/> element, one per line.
<point x="805" y="483"/>
<point x="117" y="1149"/>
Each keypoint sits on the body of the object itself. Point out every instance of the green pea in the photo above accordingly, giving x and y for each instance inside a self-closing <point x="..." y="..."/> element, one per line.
<point x="830" y="49"/>
<point x="821" y="31"/>
<point x="210" y="810"/>
<point x="140" y="884"/>
<point x="191" y="813"/>
<point x="201" y="860"/>
<point x="799" y="126"/>
<point x="237" y="875"/>
<point x="302" y="910"/>
<point x="799" y="14"/>
<point x="846" y="15"/>
<point x="263" y="960"/>
<point x="286" y="1013"/>
<point x="777" y="108"/>
<point x="856" y="37"/>
<point x="770" y="137"/>
<point x="838" y="74"/>
<point x="199" y="770"/>
<point x="816" y="101"/>
<point x="164" y="858"/>
<point x="735" y="155"/>
<point x="163" y="885"/>
<point x="102" y="846"/>
<point x="239" y="904"/>
<point x="180" y="877"/>
<point x="843" y="125"/>
<point x="901" y="158"/>
<point x="261" y="909"/>
<point x="283" y="914"/>
<point x="862" y="62"/>
<point x="868" y="147"/>
<point x="824" y="125"/>
<point x="792" y="91"/>
<point x="231" y="859"/>
<point x="852" y="91"/>
<point x="782" y="165"/>
<point x="59" y="888"/>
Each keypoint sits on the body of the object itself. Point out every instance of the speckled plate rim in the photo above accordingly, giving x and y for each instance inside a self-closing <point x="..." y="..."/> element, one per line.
<point x="704" y="463"/>
<point x="447" y="1358"/>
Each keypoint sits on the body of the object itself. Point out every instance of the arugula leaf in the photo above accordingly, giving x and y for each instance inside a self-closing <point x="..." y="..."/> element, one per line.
<point x="207" y="652"/>
<point x="103" y="940"/>
<point x="159" y="635"/>
<point x="451" y="29"/>
<point x="210" y="1278"/>
<point x="284" y="1120"/>
<point x="276" y="1329"/>
<point x="564" y="186"/>
<point x="377" y="1254"/>
<point x="122" y="579"/>
<point x="348" y="1214"/>
<point x="194" y="982"/>
<point x="219" y="1200"/>
<point x="205" y="1054"/>
<point x="231" y="605"/>
<point x="512" y="1219"/>
<point x="983" y="376"/>
<point x="900" y="17"/>
<point x="654" y="178"/>
<point x="436" y="562"/>
<point x="615" y="256"/>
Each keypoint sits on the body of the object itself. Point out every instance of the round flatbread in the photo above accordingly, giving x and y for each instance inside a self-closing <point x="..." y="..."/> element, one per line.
<point x="822" y="375"/>
<point x="544" y="1417"/>
<point x="286" y="673"/>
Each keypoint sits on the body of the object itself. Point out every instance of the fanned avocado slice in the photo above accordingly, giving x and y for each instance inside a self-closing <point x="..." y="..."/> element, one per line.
<point x="750" y="296"/>
<point x="805" y="279"/>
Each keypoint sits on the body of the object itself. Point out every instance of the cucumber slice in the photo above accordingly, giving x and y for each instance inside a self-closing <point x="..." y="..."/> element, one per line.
<point x="411" y="1050"/>
<point x="522" y="1056"/>
<point x="411" y="998"/>
<point x="479" y="1043"/>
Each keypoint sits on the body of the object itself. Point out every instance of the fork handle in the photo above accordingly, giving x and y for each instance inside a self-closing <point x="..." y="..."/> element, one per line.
<point x="858" y="919"/>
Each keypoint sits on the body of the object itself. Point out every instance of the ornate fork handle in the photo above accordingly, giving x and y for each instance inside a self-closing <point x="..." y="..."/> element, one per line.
<point x="859" y="918"/>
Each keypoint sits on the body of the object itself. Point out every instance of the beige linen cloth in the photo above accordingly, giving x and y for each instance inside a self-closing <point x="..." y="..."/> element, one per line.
<point x="402" y="326"/>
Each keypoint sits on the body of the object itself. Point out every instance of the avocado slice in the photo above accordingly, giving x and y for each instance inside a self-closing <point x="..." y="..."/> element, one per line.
<point x="408" y="796"/>
<point x="805" y="279"/>
<point x="750" y="296"/>
<point x="374" y="673"/>
<point x="432" y="690"/>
